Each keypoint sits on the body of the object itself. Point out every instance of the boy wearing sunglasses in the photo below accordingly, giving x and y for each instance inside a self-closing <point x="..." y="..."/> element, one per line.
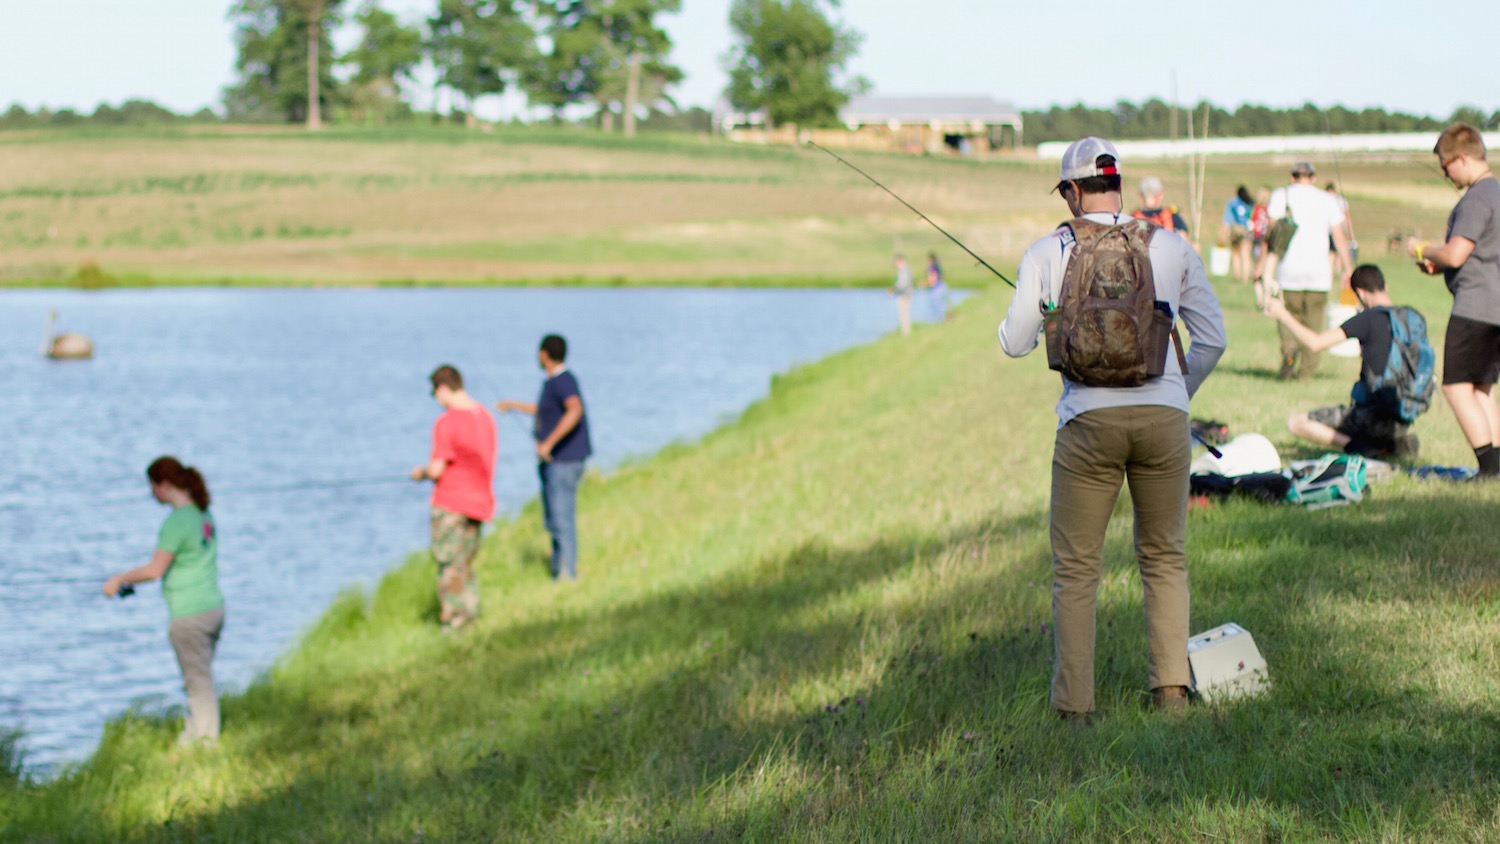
<point x="1469" y="260"/>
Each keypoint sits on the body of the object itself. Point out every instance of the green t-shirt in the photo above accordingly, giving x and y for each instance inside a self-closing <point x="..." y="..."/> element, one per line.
<point x="191" y="585"/>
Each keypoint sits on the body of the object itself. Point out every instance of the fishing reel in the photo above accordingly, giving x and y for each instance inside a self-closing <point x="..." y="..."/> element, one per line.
<point x="125" y="591"/>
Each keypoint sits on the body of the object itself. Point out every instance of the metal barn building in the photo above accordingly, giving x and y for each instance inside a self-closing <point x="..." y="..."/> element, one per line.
<point x="934" y="124"/>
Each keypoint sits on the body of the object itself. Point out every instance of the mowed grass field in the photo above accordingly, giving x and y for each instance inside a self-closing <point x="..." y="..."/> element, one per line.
<point x="436" y="205"/>
<point x="828" y="621"/>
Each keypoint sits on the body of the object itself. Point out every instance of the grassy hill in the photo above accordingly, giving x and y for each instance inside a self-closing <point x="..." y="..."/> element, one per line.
<point x="528" y="205"/>
<point x="828" y="621"/>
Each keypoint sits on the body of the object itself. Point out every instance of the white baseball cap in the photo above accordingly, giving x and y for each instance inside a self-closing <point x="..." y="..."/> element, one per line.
<point x="1081" y="160"/>
<point x="1151" y="186"/>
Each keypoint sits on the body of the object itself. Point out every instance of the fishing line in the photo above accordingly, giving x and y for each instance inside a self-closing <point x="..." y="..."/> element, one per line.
<point x="521" y="426"/>
<point x="126" y="589"/>
<point x="299" y="486"/>
<point x="914" y="210"/>
<point x="1333" y="145"/>
<point x="50" y="581"/>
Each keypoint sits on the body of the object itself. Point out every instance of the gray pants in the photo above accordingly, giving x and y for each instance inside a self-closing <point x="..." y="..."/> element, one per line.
<point x="194" y="639"/>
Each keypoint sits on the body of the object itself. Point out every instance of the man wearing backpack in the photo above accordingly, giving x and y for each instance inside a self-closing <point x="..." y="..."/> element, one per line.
<point x="1396" y="373"/>
<point x="1106" y="289"/>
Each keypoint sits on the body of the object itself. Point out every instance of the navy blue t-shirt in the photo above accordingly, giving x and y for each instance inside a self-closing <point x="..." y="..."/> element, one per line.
<point x="549" y="412"/>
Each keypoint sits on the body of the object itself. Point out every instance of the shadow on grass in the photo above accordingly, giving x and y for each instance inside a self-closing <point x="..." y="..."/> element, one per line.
<point x="509" y="734"/>
<point x="1263" y="373"/>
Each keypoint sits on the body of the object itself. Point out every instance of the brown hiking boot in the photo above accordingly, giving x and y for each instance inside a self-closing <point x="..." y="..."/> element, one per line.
<point x="1170" y="699"/>
<point x="1288" y="369"/>
<point x="1076" y="720"/>
<point x="1407" y="446"/>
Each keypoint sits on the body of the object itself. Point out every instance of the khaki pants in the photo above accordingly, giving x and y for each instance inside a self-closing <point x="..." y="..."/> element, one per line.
<point x="1148" y="447"/>
<point x="1309" y="307"/>
<point x="194" y="639"/>
<point x="903" y="311"/>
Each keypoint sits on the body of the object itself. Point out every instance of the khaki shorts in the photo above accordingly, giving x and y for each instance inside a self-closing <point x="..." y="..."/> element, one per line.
<point x="1363" y="424"/>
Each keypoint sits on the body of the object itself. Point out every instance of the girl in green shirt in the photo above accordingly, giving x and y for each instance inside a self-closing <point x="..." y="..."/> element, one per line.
<point x="187" y="562"/>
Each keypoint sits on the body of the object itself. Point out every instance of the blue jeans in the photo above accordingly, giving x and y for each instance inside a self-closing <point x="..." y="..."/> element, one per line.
<point x="559" y="510"/>
<point x="937" y="303"/>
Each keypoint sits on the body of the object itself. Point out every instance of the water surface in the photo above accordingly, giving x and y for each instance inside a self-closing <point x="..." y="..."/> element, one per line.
<point x="265" y="388"/>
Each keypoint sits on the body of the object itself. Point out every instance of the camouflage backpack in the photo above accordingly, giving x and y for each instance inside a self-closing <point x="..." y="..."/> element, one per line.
<point x="1107" y="329"/>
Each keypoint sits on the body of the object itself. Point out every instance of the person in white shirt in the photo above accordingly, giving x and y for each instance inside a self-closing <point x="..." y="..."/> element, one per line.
<point x="1305" y="275"/>
<point x="1108" y="435"/>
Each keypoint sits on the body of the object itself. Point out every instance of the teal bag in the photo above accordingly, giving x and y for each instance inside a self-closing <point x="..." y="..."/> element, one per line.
<point x="1334" y="480"/>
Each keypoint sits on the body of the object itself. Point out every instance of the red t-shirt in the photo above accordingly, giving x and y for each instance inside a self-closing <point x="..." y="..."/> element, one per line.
<point x="467" y="440"/>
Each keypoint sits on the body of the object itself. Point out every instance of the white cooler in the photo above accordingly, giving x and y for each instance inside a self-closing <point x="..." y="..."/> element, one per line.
<point x="1226" y="664"/>
<point x="1218" y="261"/>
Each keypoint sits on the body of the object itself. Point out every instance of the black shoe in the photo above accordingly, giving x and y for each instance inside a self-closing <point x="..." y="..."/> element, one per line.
<point x="1288" y="369"/>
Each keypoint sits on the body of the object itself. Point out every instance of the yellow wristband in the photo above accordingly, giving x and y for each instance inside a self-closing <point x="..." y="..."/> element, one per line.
<point x="1420" y="247"/>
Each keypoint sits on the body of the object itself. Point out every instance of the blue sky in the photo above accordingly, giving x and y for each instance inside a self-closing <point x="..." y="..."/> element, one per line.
<point x="1374" y="53"/>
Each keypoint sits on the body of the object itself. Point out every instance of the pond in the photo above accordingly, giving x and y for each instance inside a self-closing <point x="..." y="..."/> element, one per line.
<point x="278" y="388"/>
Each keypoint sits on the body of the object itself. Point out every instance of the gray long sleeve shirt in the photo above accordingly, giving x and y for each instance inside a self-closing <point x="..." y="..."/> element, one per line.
<point x="1180" y="281"/>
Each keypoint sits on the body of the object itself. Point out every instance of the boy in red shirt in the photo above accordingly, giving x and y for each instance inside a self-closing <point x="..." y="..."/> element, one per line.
<point x="464" y="442"/>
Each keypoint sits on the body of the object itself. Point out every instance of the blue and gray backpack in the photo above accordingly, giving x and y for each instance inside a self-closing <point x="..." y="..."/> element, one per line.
<point x="1405" y="388"/>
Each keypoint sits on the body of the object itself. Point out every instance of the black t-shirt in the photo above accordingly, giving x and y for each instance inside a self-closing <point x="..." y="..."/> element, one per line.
<point x="1372" y="328"/>
<point x="549" y="411"/>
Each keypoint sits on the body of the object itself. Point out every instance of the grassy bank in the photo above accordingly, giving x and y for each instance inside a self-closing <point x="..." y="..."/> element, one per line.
<point x="534" y="205"/>
<point x="827" y="621"/>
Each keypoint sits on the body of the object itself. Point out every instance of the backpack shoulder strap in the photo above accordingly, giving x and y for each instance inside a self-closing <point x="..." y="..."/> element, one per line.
<point x="1083" y="227"/>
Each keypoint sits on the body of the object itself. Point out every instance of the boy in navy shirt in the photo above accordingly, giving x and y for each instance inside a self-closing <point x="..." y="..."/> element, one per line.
<point x="562" y="446"/>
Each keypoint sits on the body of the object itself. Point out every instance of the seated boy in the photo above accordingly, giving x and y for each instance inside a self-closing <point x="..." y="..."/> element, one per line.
<point x="1365" y="426"/>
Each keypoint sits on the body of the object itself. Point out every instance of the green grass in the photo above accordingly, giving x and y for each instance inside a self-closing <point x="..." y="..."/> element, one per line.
<point x="825" y="622"/>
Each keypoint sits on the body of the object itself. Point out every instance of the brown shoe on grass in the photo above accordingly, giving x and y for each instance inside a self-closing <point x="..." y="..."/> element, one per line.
<point x="1170" y="699"/>
<point x="1076" y="720"/>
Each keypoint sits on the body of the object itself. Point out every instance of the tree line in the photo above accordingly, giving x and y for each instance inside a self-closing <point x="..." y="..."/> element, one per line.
<point x="1125" y="121"/>
<point x="611" y="56"/>
<point x="1156" y="119"/>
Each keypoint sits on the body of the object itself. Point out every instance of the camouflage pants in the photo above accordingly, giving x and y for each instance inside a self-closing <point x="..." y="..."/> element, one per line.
<point x="455" y="541"/>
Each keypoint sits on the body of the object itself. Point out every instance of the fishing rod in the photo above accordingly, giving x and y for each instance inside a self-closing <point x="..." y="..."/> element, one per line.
<point x="1338" y="175"/>
<point x="914" y="210"/>
<point x="244" y="490"/>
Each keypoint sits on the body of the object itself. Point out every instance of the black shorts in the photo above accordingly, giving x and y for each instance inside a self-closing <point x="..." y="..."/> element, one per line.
<point x="1363" y="424"/>
<point x="1471" y="352"/>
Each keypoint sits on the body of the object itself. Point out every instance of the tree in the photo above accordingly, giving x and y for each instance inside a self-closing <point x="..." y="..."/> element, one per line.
<point x="480" y="47"/>
<point x="285" y="59"/>
<point x="1470" y="115"/>
<point x="386" y="54"/>
<point x="786" y="55"/>
<point x="608" y="51"/>
<point x="315" y="16"/>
